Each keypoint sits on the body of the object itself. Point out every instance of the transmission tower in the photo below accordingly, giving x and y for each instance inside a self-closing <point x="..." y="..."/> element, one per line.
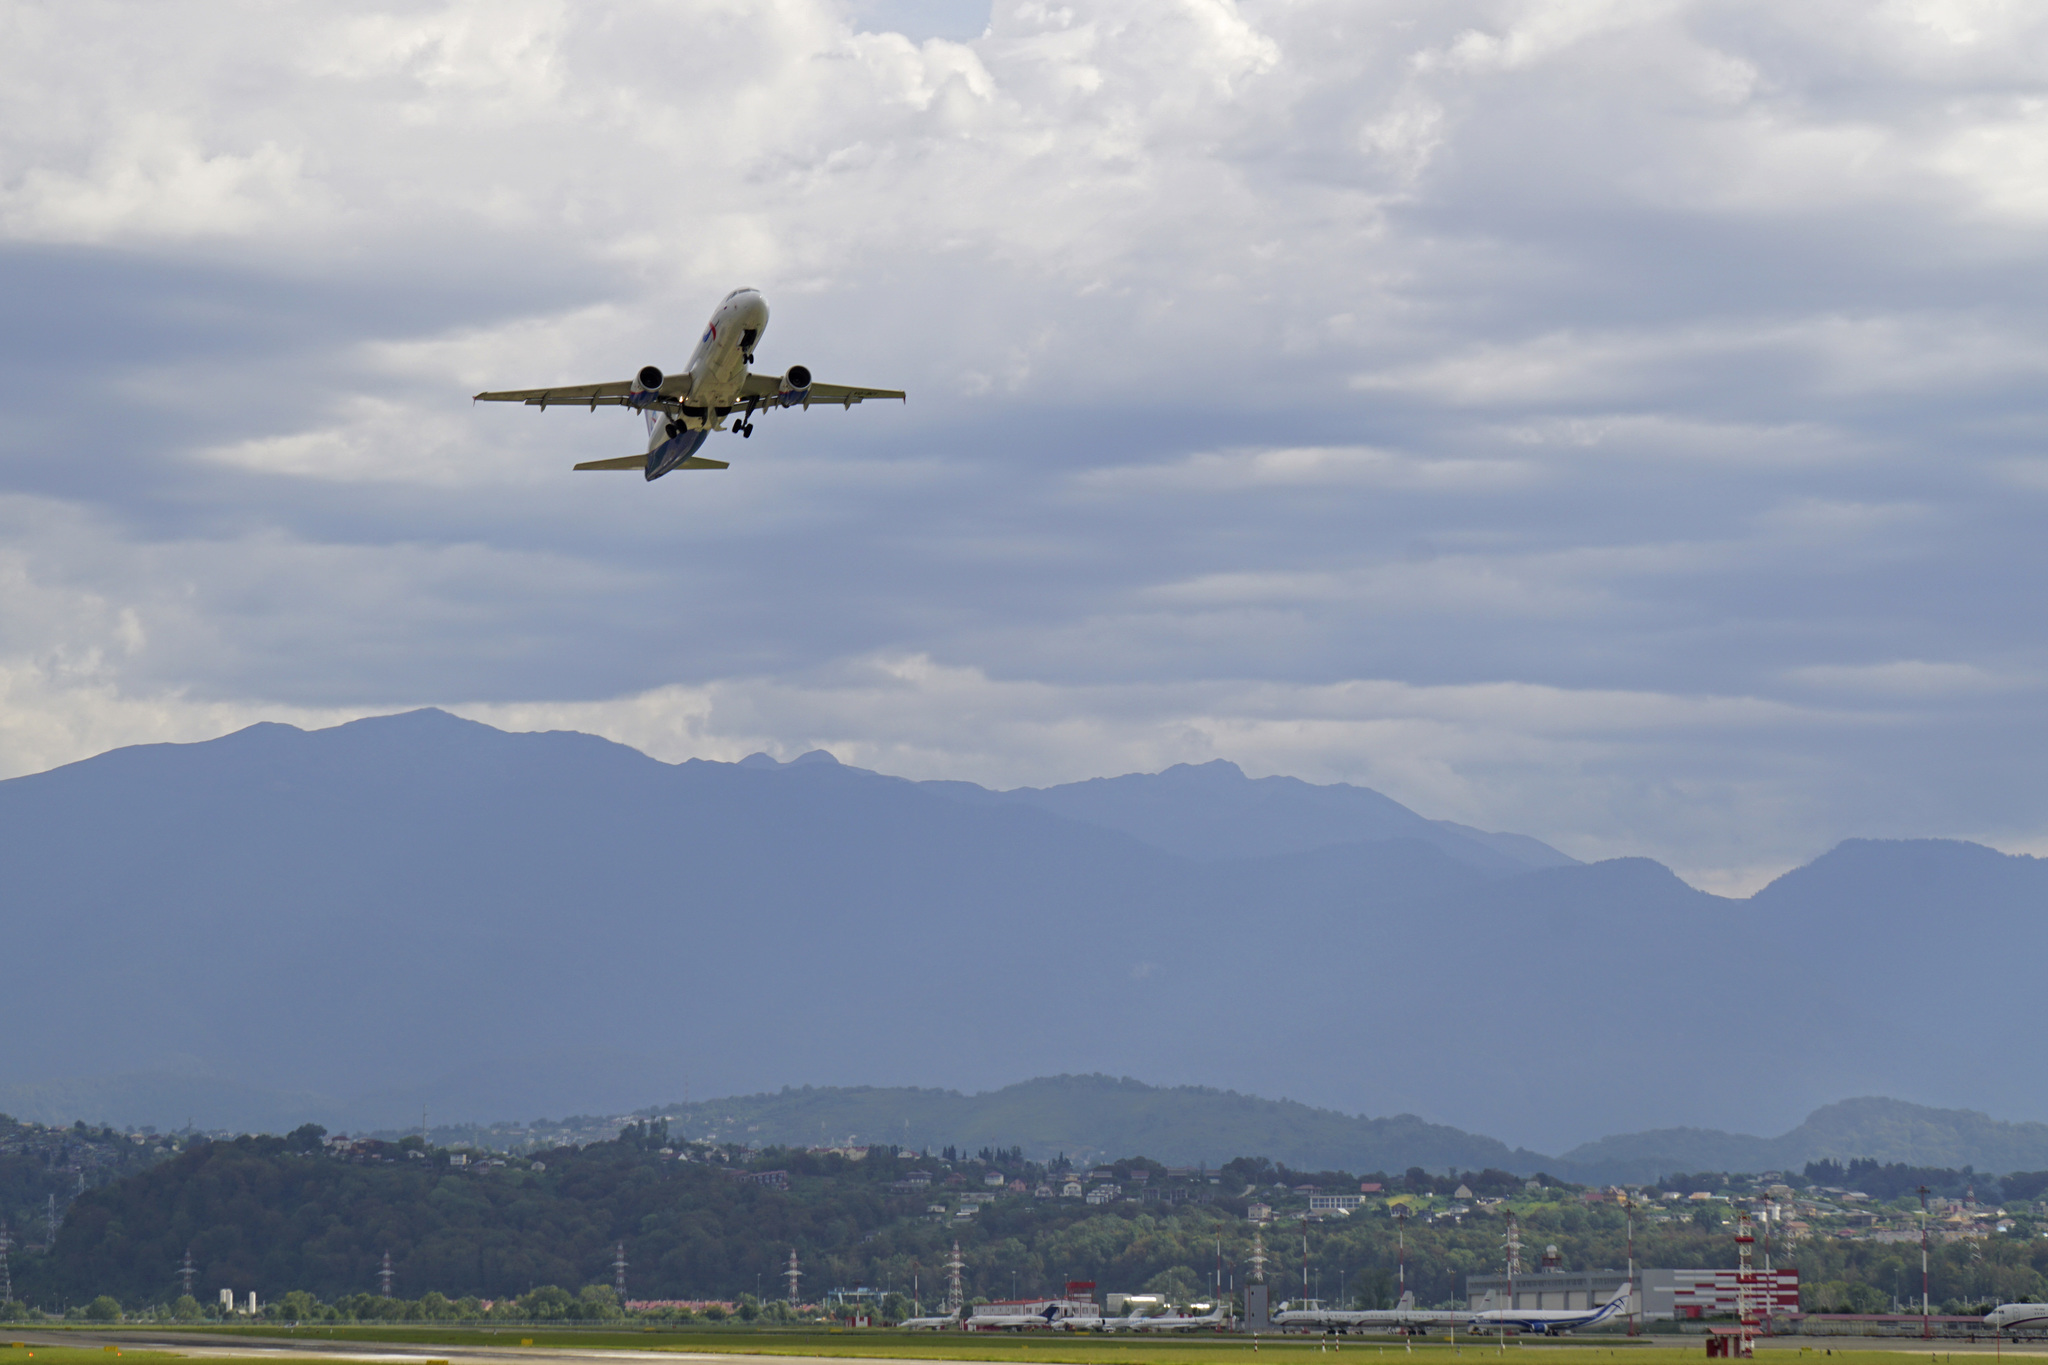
<point x="619" y="1273"/>
<point x="185" y="1273"/>
<point x="50" y="1219"/>
<point x="384" y="1277"/>
<point x="1258" y="1257"/>
<point x="793" y="1274"/>
<point x="6" y="1275"/>
<point x="956" y="1299"/>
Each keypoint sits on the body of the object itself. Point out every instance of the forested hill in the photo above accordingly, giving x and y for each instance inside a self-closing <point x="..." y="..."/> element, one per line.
<point x="278" y="1215"/>
<point x="469" y="1236"/>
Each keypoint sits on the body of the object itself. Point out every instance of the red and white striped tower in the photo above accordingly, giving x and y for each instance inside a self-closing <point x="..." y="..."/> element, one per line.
<point x="1745" y="1287"/>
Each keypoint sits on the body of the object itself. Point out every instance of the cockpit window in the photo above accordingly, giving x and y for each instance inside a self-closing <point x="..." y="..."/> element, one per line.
<point x="744" y="289"/>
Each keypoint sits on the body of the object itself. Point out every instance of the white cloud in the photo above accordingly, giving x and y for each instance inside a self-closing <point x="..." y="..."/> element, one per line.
<point x="1572" y="416"/>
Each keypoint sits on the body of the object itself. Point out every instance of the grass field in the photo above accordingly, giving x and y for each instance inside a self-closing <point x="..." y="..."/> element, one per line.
<point x="1006" y="1350"/>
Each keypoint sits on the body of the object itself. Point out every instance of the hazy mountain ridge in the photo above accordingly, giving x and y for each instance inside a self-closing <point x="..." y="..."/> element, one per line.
<point x="417" y="910"/>
<point x="1090" y="1118"/>
<point x="1212" y="811"/>
<point x="1881" y="1129"/>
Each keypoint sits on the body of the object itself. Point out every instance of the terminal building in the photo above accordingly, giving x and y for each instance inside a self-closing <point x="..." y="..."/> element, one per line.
<point x="1666" y="1294"/>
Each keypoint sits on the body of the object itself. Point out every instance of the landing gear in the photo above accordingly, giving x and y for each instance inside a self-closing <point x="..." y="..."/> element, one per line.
<point x="674" y="429"/>
<point x="745" y="429"/>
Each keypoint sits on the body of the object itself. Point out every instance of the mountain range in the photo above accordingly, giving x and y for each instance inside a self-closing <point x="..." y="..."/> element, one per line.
<point x="1093" y="1118"/>
<point x="418" y="911"/>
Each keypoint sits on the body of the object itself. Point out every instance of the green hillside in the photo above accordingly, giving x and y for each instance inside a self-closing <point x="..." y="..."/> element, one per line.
<point x="473" y="1237"/>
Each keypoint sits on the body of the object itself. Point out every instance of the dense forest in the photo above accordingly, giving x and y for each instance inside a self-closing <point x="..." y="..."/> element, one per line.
<point x="304" y="1216"/>
<point x="42" y="1169"/>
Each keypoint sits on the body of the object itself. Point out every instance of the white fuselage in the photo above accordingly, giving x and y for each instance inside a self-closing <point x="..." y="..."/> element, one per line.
<point x="718" y="367"/>
<point x="1546" y="1320"/>
<point x="1393" y="1318"/>
<point x="2018" y="1317"/>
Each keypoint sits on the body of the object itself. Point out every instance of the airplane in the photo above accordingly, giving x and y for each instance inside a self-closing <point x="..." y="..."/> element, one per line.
<point x="1549" y="1321"/>
<point x="1217" y="1316"/>
<point x="951" y="1319"/>
<point x="682" y="410"/>
<point x="2018" y="1317"/>
<point x="1063" y="1314"/>
<point x="1402" y="1314"/>
<point x="1182" y="1322"/>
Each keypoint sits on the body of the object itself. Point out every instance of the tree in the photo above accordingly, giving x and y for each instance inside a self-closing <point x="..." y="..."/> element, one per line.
<point x="105" y="1308"/>
<point x="307" y="1137"/>
<point x="1177" y="1283"/>
<point x="186" y="1308"/>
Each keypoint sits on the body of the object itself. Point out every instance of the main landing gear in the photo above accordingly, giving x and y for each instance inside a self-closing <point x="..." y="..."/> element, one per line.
<point x="745" y="429"/>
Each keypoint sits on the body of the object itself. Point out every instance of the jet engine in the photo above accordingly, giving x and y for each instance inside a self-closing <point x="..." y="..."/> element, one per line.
<point x="796" y="382"/>
<point x="648" y="380"/>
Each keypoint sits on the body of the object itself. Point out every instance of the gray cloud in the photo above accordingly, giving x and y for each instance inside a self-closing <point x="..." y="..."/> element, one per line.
<point x="1614" y="422"/>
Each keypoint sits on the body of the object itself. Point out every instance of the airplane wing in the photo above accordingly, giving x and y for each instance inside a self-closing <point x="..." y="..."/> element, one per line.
<point x="848" y="394"/>
<point x="612" y="395"/>
<point x="640" y="462"/>
<point x="770" y="386"/>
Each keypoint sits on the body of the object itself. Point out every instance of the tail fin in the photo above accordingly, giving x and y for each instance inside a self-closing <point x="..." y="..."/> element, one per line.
<point x="1617" y="1302"/>
<point x="1407" y="1303"/>
<point x="1490" y="1302"/>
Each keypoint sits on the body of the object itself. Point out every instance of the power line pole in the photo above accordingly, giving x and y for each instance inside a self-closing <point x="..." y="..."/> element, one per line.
<point x="1401" y="1266"/>
<point x="6" y="1275"/>
<point x="956" y="1300"/>
<point x="185" y="1273"/>
<point x="793" y="1274"/>
<point x="619" y="1274"/>
<point x="384" y="1278"/>
<point x="1635" y="1326"/>
<point x="1926" y="1321"/>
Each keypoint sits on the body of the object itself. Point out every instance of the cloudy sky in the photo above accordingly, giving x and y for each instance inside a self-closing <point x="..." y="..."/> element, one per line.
<point x="1615" y="422"/>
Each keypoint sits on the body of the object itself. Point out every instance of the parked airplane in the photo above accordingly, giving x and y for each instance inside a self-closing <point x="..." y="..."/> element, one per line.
<point x="1402" y="1315"/>
<point x="1217" y="1316"/>
<point x="682" y="410"/>
<point x="931" y="1324"/>
<point x="1064" y="1314"/>
<point x="1549" y="1321"/>
<point x="2018" y="1317"/>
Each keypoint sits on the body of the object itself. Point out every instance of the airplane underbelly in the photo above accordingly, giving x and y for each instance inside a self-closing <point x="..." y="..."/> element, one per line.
<point x="670" y="453"/>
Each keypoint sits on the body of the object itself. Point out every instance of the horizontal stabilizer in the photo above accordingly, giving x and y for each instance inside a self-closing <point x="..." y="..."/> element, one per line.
<point x="640" y="462"/>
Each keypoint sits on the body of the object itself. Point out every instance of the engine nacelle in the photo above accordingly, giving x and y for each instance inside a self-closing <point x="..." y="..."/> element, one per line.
<point x="648" y="380"/>
<point x="796" y="382"/>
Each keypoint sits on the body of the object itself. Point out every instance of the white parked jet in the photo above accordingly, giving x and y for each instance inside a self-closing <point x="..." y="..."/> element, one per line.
<point x="1402" y="1315"/>
<point x="1058" y="1314"/>
<point x="930" y="1324"/>
<point x="2018" y="1317"/>
<point x="682" y="410"/>
<point x="1184" y="1322"/>
<point x="1549" y="1321"/>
